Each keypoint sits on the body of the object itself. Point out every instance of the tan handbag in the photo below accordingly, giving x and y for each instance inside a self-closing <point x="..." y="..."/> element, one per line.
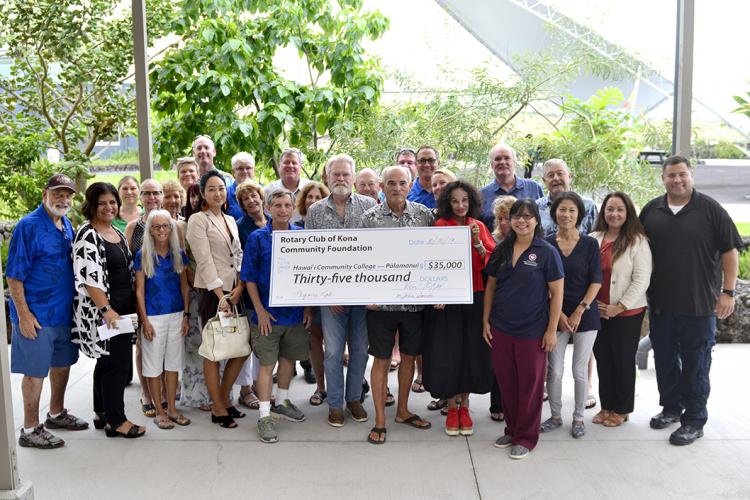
<point x="229" y="341"/>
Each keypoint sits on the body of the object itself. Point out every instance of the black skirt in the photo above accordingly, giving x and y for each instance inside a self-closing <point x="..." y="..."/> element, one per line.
<point x="455" y="357"/>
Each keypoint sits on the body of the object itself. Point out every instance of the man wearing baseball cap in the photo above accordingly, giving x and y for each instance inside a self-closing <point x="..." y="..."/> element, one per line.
<point x="40" y="279"/>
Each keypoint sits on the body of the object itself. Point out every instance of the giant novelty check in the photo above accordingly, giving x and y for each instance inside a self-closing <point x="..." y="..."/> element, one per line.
<point x="422" y="265"/>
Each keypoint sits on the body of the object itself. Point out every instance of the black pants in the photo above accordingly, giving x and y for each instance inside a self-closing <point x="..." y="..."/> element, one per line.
<point x="615" y="348"/>
<point x="496" y="401"/>
<point x="110" y="378"/>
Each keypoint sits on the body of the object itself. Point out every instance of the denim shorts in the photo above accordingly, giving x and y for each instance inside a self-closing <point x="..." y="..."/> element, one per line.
<point x="51" y="348"/>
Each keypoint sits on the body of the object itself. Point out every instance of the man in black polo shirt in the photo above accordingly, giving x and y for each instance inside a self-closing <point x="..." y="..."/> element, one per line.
<point x="694" y="242"/>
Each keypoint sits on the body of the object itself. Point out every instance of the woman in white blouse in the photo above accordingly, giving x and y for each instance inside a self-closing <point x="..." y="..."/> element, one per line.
<point x="215" y="244"/>
<point x="626" y="273"/>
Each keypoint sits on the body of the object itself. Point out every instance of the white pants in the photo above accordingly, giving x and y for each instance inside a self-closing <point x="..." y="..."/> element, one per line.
<point x="166" y="351"/>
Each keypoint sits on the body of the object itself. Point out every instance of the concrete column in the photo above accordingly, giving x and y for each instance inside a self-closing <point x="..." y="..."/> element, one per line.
<point x="11" y="486"/>
<point x="683" y="79"/>
<point x="145" y="153"/>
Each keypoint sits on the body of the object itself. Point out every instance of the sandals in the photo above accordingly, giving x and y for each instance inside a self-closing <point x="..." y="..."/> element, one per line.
<point x="389" y="399"/>
<point x="414" y="420"/>
<point x="135" y="431"/>
<point x="615" y="419"/>
<point x="497" y="417"/>
<point x="318" y="397"/>
<point x="417" y="385"/>
<point x="600" y="417"/>
<point x="249" y="400"/>
<point x="380" y="431"/>
<point x="225" y="421"/>
<point x="163" y="422"/>
<point x="148" y="410"/>
<point x="179" y="419"/>
<point x="235" y="413"/>
<point x="437" y="404"/>
<point x="394" y="365"/>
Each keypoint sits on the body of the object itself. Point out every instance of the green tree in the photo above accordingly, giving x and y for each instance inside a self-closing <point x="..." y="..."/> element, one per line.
<point x="65" y="88"/>
<point x="222" y="79"/>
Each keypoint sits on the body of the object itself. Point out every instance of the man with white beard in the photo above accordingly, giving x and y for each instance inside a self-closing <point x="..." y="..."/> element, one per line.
<point x="40" y="279"/>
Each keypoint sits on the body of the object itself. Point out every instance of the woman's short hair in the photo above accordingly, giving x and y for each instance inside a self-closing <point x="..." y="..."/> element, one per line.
<point x="301" y="206"/>
<point x="570" y="196"/>
<point x="185" y="160"/>
<point x="444" y="209"/>
<point x="279" y="193"/>
<point x="172" y="185"/>
<point x="501" y="206"/>
<point x="91" y="198"/>
<point x="247" y="187"/>
<point x="445" y="172"/>
<point x="205" y="177"/>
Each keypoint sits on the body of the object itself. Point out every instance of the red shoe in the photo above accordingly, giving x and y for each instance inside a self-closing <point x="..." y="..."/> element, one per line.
<point x="466" y="426"/>
<point x="451" y="422"/>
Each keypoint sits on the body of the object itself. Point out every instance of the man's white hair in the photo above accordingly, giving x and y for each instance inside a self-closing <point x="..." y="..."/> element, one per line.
<point x="242" y="156"/>
<point x="341" y="157"/>
<point x="388" y="170"/>
<point x="506" y="146"/>
<point x="206" y="138"/>
<point x="552" y="162"/>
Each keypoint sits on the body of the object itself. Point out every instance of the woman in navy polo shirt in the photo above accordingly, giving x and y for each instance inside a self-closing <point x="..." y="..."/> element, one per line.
<point x="583" y="278"/>
<point x="161" y="290"/>
<point x="522" y="303"/>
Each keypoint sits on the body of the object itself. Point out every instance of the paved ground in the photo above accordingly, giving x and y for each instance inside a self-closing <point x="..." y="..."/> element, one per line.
<point x="313" y="460"/>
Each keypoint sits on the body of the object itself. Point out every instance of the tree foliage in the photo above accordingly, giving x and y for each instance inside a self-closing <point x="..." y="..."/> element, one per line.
<point x="69" y="61"/>
<point x="222" y="79"/>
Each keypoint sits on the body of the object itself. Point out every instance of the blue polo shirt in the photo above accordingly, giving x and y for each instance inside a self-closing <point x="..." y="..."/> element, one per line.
<point x="233" y="205"/>
<point x="520" y="307"/>
<point x="40" y="255"/>
<point x="418" y="194"/>
<point x="163" y="294"/>
<point x="524" y="188"/>
<point x="256" y="268"/>
<point x="582" y="268"/>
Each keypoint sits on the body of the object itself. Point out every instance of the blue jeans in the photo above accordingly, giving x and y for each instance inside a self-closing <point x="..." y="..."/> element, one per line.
<point x="339" y="329"/>
<point x="682" y="354"/>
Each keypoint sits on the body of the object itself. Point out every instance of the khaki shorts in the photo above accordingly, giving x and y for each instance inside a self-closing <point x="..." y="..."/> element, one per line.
<point x="290" y="342"/>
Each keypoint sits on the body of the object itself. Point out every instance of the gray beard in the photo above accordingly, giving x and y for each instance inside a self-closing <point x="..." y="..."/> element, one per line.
<point x="56" y="211"/>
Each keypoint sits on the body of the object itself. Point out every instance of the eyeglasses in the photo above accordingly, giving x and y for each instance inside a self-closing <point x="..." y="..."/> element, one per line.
<point x="423" y="161"/>
<point x="151" y="193"/>
<point x="161" y="227"/>
<point x="525" y="217"/>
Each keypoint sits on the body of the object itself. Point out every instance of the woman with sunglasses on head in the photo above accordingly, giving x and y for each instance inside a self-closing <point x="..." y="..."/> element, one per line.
<point x="161" y="291"/>
<point x="626" y="273"/>
<point x="103" y="268"/>
<point x="522" y="304"/>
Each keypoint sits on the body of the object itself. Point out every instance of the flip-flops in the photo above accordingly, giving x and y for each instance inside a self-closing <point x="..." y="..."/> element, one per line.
<point x="417" y="386"/>
<point x="413" y="422"/>
<point x="179" y="419"/>
<point x="380" y="431"/>
<point x="437" y="404"/>
<point x="148" y="410"/>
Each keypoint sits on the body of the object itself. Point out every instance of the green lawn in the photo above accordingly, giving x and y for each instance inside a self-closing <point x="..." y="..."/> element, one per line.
<point x="743" y="228"/>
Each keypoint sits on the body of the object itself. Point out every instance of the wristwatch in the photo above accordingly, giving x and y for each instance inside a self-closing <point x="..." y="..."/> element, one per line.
<point x="727" y="291"/>
<point x="186" y="314"/>
<point x="105" y="309"/>
<point x="585" y="305"/>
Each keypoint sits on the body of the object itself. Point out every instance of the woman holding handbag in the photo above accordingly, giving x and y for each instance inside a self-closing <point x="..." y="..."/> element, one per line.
<point x="215" y="243"/>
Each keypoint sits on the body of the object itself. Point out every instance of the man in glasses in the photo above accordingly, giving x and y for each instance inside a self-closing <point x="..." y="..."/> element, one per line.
<point x="243" y="169"/>
<point x="427" y="162"/>
<point x="506" y="182"/>
<point x="40" y="279"/>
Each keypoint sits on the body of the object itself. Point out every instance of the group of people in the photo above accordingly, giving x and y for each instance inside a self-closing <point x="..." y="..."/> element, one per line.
<point x="546" y="269"/>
